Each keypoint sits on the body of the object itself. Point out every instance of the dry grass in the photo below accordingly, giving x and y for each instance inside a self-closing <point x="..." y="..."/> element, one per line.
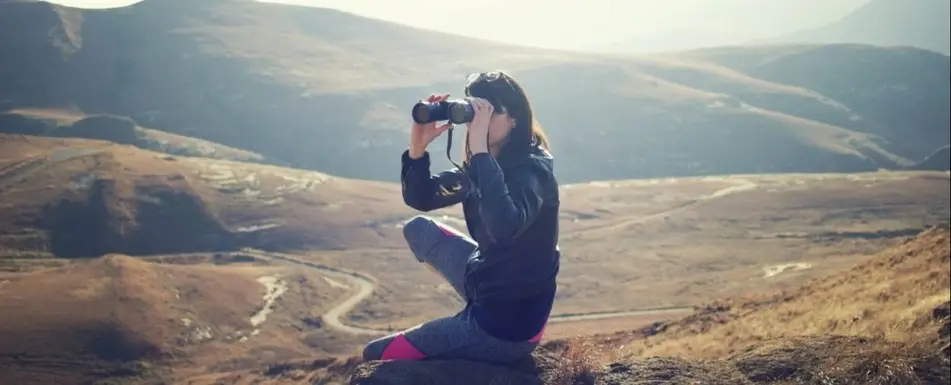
<point x="798" y="352"/>
<point x="890" y="296"/>
<point x="114" y="311"/>
<point x="566" y="330"/>
<point x="792" y="358"/>
<point x="118" y="316"/>
<point x="580" y="361"/>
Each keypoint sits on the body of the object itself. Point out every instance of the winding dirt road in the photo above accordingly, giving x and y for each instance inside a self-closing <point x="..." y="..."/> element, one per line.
<point x="366" y="285"/>
<point x="739" y="186"/>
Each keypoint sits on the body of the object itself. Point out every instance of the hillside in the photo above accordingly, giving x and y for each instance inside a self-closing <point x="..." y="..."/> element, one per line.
<point x="329" y="91"/>
<point x="892" y="295"/>
<point x="109" y="198"/>
<point x="108" y="317"/>
<point x="125" y="320"/>
<point x="898" y="107"/>
<point x="693" y="239"/>
<point x="657" y="243"/>
<point x="883" y="322"/>
<point x="919" y="23"/>
<point x="121" y="130"/>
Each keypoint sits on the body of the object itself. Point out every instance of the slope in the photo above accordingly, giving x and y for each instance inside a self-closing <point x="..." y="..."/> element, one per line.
<point x="921" y="23"/>
<point x="891" y="91"/>
<point x="122" y="130"/>
<point x="884" y="322"/>
<point x="892" y="296"/>
<point x="125" y="320"/>
<point x="326" y="90"/>
<point x="83" y="198"/>
<point x="107" y="317"/>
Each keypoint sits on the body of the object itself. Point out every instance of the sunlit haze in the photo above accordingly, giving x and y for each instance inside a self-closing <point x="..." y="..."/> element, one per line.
<point x="576" y="24"/>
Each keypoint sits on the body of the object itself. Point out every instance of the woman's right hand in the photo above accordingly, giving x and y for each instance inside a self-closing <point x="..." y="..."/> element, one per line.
<point x="421" y="135"/>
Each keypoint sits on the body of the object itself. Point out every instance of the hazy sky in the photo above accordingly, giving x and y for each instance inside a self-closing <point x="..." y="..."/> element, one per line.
<point x="586" y="23"/>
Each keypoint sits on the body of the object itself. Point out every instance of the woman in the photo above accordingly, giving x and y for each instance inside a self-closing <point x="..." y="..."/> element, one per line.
<point x="506" y="272"/>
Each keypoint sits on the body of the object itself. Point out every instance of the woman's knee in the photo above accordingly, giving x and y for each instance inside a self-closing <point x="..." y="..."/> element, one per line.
<point x="418" y="226"/>
<point x="374" y="350"/>
<point x="421" y="234"/>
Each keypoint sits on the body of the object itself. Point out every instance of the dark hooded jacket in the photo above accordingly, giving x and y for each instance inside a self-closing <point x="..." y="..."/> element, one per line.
<point x="511" y="210"/>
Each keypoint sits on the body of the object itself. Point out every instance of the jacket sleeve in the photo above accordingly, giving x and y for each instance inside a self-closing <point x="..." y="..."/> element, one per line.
<point x="425" y="192"/>
<point x="508" y="204"/>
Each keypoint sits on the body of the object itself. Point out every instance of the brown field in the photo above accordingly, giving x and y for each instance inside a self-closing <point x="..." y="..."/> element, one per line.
<point x="115" y="316"/>
<point x="695" y="246"/>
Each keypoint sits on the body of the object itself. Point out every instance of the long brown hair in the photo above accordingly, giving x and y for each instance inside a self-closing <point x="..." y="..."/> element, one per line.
<point x="506" y="94"/>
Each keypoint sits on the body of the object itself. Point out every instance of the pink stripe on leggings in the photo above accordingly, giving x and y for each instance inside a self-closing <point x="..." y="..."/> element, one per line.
<point x="445" y="231"/>
<point x="538" y="337"/>
<point x="401" y="349"/>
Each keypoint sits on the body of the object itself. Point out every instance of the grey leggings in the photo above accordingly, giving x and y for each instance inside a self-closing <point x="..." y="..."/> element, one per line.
<point x="457" y="337"/>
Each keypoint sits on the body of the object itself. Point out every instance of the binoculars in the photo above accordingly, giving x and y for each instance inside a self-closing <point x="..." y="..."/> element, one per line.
<point x="457" y="111"/>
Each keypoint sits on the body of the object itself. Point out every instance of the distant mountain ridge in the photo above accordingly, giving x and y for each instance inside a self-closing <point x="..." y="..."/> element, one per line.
<point x="330" y="91"/>
<point x="917" y="23"/>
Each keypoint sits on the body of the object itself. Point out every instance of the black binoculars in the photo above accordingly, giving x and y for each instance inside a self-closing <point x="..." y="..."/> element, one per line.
<point x="457" y="111"/>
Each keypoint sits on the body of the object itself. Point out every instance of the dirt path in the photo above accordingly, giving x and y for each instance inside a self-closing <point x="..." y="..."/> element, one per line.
<point x="366" y="285"/>
<point x="17" y="172"/>
<point x="739" y="186"/>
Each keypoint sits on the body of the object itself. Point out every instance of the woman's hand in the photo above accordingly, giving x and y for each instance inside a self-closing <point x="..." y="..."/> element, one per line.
<point x="478" y="128"/>
<point x="421" y="135"/>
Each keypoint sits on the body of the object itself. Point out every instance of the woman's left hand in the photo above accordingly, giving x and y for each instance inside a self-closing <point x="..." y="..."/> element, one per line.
<point x="478" y="128"/>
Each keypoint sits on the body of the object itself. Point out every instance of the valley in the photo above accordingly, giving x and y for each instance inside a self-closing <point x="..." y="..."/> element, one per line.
<point x="207" y="193"/>
<point x="634" y="252"/>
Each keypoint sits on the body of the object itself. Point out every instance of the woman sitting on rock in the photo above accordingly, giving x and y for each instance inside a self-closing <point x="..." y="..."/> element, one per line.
<point x="506" y="272"/>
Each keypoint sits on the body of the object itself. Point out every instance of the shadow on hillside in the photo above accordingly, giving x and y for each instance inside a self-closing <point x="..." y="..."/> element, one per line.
<point x="108" y="221"/>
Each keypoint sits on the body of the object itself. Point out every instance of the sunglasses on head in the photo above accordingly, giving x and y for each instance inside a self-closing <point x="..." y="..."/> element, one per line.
<point x="484" y="76"/>
<point x="488" y="78"/>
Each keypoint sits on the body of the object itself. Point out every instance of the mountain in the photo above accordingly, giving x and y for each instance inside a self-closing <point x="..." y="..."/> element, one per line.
<point x="118" y="129"/>
<point x="330" y="91"/>
<point x="917" y="23"/>
<point x="109" y="198"/>
<point x="899" y="106"/>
